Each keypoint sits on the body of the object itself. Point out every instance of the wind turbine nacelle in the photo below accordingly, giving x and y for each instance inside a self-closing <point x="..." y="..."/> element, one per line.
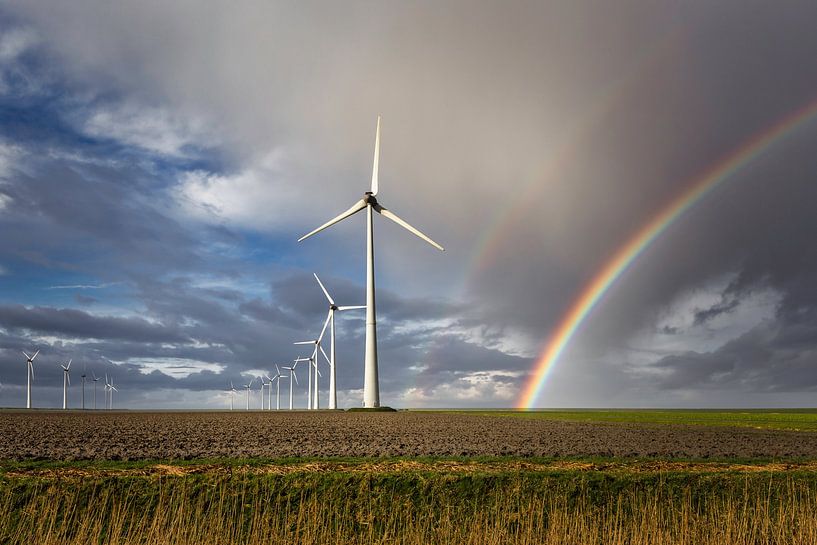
<point x="368" y="198"/>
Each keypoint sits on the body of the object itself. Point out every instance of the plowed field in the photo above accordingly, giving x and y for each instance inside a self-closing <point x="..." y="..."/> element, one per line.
<point x="173" y="435"/>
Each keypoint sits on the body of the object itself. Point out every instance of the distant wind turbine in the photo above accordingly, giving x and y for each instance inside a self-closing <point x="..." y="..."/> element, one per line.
<point x="232" y="394"/>
<point x="333" y="392"/>
<point x="96" y="379"/>
<point x="247" y="386"/>
<point x="30" y="373"/>
<point x="82" y="376"/>
<point x="371" y="386"/>
<point x="312" y="398"/>
<point x="66" y="382"/>
<point x="277" y="379"/>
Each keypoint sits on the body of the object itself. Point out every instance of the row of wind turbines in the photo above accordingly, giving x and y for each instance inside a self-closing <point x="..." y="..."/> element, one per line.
<point x="371" y="383"/>
<point x="313" y="391"/>
<point x="66" y="382"/>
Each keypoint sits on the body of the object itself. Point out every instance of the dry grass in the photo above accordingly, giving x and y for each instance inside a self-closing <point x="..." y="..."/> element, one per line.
<point x="344" y="508"/>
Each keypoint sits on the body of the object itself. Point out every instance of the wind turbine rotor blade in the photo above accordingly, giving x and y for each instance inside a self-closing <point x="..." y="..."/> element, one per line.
<point x="35" y="355"/>
<point x="357" y="207"/>
<point x="325" y="356"/>
<point x="325" y="323"/>
<point x="326" y="293"/>
<point x="356" y="307"/>
<point x="26" y="355"/>
<point x="31" y="366"/>
<point x="69" y="363"/>
<point x="402" y="223"/>
<point x="277" y="371"/>
<point x="68" y="376"/>
<point x="376" y="163"/>
<point x="305" y="342"/>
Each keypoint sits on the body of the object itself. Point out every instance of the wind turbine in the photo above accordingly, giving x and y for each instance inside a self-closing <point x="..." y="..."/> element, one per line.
<point x="261" y="380"/>
<point x="313" y="362"/>
<point x="109" y="390"/>
<point x="333" y="393"/>
<point x="277" y="379"/>
<point x="292" y="375"/>
<point x="232" y="394"/>
<point x="247" y="386"/>
<point x="269" y="392"/>
<point x="96" y="379"/>
<point x="371" y="385"/>
<point x="66" y="381"/>
<point x="30" y="373"/>
<point x="82" y="376"/>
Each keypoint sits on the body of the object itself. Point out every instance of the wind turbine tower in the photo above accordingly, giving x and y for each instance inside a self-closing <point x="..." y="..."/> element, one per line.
<point x="232" y="395"/>
<point x="66" y="381"/>
<point x="333" y="392"/>
<point x="30" y="373"/>
<point x="369" y="202"/>
<point x="247" y="386"/>
<point x="95" y="380"/>
<point x="82" y="376"/>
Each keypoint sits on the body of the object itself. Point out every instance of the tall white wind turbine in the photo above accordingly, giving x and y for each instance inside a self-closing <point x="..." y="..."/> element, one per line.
<point x="261" y="380"/>
<point x="313" y="402"/>
<point x="113" y="389"/>
<point x="292" y="376"/>
<point x="371" y="385"/>
<point x="277" y="379"/>
<point x="333" y="392"/>
<point x="247" y="386"/>
<point x="82" y="376"/>
<point x="232" y="395"/>
<point x="96" y="379"/>
<point x="66" y="382"/>
<point x="269" y="392"/>
<point x="30" y="373"/>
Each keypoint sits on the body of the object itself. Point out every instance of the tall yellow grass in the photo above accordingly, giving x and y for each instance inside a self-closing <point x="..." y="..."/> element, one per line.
<point x="421" y="509"/>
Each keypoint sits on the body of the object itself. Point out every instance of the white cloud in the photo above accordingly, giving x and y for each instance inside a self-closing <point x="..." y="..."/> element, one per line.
<point x="174" y="367"/>
<point x="154" y="129"/>
<point x="259" y="197"/>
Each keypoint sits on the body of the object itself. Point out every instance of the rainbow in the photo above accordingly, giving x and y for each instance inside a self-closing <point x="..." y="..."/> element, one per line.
<point x="638" y="243"/>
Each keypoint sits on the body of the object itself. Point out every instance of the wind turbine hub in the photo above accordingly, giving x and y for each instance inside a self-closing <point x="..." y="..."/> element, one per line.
<point x="368" y="198"/>
<point x="333" y="307"/>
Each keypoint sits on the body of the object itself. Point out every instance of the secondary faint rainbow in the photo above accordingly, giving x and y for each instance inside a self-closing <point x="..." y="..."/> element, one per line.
<point x="613" y="268"/>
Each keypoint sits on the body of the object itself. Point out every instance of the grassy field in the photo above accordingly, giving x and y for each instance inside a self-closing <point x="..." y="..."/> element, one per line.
<point x="775" y="419"/>
<point x="567" y="499"/>
<point x="399" y="501"/>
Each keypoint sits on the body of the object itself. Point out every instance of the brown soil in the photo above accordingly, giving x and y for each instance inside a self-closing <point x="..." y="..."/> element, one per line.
<point x="165" y="436"/>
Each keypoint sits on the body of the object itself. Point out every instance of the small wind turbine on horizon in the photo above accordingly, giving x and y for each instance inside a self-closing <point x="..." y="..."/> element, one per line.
<point x="292" y="376"/>
<point x="261" y="380"/>
<point x="30" y="373"/>
<point x="277" y="379"/>
<point x="247" y="386"/>
<point x="232" y="394"/>
<point x="95" y="380"/>
<point x="66" y="382"/>
<point x="109" y="390"/>
<point x="269" y="392"/>
<point x="82" y="376"/>
<point x="371" y="385"/>
<point x="333" y="392"/>
<point x="312" y="397"/>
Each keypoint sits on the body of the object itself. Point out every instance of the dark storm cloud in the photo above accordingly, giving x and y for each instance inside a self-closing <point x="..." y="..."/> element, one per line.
<point x="78" y="324"/>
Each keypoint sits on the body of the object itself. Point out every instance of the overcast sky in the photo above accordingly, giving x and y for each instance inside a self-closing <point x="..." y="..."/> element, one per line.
<point x="158" y="162"/>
